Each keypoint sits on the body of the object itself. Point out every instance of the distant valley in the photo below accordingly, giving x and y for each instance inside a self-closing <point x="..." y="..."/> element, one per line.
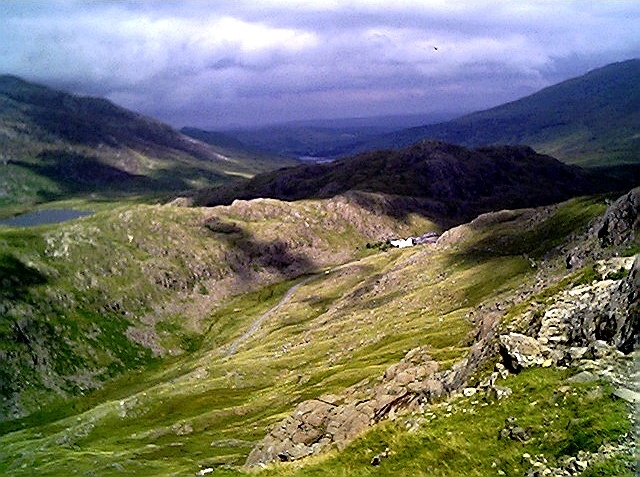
<point x="592" y="120"/>
<point x="317" y="139"/>
<point x="226" y="309"/>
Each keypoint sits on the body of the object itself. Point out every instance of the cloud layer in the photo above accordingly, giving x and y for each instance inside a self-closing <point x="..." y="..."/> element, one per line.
<point x="214" y="64"/>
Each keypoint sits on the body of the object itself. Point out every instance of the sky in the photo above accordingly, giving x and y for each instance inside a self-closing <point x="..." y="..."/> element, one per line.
<point x="223" y="64"/>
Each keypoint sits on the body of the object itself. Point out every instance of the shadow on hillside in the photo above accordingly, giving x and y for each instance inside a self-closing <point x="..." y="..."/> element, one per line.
<point x="16" y="278"/>
<point x="183" y="177"/>
<point x="248" y="255"/>
<point x="75" y="173"/>
<point x="79" y="173"/>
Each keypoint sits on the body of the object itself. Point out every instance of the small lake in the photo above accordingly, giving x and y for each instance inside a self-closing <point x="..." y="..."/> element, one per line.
<point x="41" y="217"/>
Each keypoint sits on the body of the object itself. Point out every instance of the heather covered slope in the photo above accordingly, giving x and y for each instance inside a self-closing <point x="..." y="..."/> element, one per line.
<point x="591" y="120"/>
<point x="55" y="145"/>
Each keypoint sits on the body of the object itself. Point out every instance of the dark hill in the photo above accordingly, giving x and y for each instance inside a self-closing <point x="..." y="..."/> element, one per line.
<point x="56" y="144"/>
<point x="447" y="183"/>
<point x="55" y="115"/>
<point x="590" y="120"/>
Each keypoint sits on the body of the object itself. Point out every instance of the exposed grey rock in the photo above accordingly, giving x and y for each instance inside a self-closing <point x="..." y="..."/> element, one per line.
<point x="583" y="377"/>
<point x="600" y="349"/>
<point x="621" y="220"/>
<point x="594" y="316"/>
<point x="628" y="395"/>
<point x="512" y="431"/>
<point x="468" y="392"/>
<point x="500" y="392"/>
<point x="520" y="351"/>
<point x="319" y="424"/>
<point x="576" y="465"/>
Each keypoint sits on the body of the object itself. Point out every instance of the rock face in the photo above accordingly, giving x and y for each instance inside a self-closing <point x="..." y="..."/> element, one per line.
<point x="587" y="321"/>
<point x="320" y="423"/>
<point x="597" y="311"/>
<point x="620" y="222"/>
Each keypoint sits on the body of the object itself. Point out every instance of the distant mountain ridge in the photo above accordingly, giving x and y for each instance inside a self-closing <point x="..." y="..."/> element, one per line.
<point x="89" y="121"/>
<point x="327" y="138"/>
<point x="54" y="144"/>
<point x="590" y="120"/>
<point x="447" y="183"/>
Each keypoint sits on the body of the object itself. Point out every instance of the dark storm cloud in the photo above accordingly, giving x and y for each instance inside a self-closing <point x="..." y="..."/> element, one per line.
<point x="212" y="64"/>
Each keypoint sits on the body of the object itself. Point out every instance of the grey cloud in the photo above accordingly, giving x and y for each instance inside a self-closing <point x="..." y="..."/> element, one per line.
<point x="215" y="63"/>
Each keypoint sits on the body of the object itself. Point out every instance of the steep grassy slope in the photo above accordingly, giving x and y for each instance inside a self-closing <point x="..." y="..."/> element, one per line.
<point x="202" y="405"/>
<point x="590" y="120"/>
<point x="53" y="144"/>
<point x="449" y="184"/>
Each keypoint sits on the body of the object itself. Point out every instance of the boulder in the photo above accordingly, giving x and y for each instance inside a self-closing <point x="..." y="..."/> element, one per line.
<point x="520" y="351"/>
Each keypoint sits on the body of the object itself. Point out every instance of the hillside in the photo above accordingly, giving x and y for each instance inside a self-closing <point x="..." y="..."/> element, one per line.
<point x="55" y="145"/>
<point x="271" y="328"/>
<point x="128" y="275"/>
<point x="193" y="337"/>
<point x="449" y="184"/>
<point x="590" y="120"/>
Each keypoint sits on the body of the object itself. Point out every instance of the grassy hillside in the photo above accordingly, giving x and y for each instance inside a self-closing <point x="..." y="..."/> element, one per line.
<point x="592" y="120"/>
<point x="188" y="286"/>
<point x="145" y="272"/>
<point x="55" y="145"/>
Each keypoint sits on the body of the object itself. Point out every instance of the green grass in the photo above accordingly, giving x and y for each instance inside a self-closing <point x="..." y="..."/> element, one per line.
<point x="559" y="420"/>
<point x="195" y="407"/>
<point x="514" y="236"/>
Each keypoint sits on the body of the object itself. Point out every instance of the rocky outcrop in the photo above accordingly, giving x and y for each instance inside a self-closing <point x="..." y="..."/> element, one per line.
<point x="597" y="311"/>
<point x="613" y="233"/>
<point x="330" y="421"/>
<point x="587" y="321"/>
<point x="520" y="351"/>
<point x="318" y="424"/>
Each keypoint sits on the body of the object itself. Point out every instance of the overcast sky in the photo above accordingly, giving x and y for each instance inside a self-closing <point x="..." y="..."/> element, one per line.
<point x="220" y="63"/>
